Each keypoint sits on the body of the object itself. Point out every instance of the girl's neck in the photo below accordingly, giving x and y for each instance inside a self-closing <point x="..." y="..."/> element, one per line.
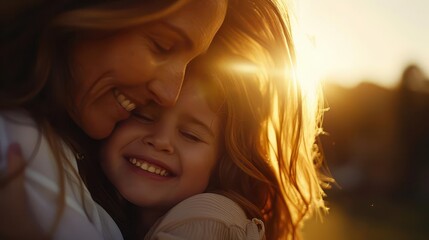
<point x="147" y="218"/>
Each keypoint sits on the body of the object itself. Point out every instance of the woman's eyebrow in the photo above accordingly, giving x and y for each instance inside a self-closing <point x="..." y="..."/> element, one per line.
<point x="189" y="43"/>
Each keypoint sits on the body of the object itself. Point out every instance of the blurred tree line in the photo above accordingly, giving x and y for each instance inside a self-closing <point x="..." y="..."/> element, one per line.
<point x="377" y="148"/>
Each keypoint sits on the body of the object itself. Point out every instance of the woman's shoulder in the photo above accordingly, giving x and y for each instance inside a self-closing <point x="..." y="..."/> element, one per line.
<point x="207" y="216"/>
<point x="16" y="120"/>
<point x="46" y="181"/>
<point x="17" y="127"/>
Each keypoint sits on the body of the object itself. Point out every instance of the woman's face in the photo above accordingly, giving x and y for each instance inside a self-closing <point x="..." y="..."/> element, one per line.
<point x="115" y="73"/>
<point x="162" y="155"/>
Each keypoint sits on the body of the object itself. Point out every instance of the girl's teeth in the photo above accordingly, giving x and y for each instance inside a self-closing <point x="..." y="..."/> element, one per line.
<point x="144" y="166"/>
<point x="148" y="167"/>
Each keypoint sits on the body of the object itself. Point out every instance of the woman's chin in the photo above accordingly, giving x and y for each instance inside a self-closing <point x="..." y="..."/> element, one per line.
<point x="99" y="129"/>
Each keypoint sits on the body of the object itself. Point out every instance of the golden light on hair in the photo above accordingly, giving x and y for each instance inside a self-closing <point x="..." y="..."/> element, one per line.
<point x="244" y="67"/>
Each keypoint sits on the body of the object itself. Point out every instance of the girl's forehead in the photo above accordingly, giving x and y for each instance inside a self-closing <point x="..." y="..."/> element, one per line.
<point x="193" y="86"/>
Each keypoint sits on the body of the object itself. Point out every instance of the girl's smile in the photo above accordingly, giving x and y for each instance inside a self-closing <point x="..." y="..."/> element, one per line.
<point x="149" y="167"/>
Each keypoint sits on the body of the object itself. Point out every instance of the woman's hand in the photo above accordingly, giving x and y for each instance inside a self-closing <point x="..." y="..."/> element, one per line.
<point x="16" y="218"/>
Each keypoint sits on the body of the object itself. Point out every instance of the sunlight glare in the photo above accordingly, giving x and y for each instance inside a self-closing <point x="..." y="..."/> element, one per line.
<point x="308" y="68"/>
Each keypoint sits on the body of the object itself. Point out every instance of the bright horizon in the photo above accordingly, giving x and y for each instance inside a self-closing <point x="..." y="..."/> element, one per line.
<point x="368" y="40"/>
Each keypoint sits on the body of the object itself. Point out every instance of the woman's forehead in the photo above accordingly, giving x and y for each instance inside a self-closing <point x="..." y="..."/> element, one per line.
<point x="199" y="21"/>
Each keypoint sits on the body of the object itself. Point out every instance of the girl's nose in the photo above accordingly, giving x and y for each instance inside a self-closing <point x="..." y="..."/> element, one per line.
<point x="160" y="141"/>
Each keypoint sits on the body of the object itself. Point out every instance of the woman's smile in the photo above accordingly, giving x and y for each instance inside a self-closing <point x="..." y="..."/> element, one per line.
<point x="124" y="101"/>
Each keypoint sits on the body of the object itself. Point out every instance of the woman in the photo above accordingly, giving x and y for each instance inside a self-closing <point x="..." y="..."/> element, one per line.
<point x="75" y="65"/>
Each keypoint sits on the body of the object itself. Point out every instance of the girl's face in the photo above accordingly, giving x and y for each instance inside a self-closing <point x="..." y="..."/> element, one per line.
<point x="115" y="73"/>
<point x="162" y="155"/>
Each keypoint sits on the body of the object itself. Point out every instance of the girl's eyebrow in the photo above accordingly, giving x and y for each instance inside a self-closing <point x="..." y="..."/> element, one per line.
<point x="200" y="123"/>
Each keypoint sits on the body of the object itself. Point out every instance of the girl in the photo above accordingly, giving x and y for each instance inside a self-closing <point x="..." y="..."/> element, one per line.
<point x="244" y="139"/>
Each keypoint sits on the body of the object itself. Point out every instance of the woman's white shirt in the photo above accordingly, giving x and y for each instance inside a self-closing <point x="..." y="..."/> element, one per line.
<point x="82" y="217"/>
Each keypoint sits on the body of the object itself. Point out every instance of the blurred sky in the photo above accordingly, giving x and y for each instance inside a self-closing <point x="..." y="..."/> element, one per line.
<point x="355" y="40"/>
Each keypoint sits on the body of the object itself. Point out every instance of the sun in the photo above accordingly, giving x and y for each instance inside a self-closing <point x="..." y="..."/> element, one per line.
<point x="308" y="69"/>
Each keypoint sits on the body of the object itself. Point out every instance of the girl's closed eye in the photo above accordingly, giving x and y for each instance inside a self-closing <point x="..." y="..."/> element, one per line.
<point x="190" y="136"/>
<point x="144" y="117"/>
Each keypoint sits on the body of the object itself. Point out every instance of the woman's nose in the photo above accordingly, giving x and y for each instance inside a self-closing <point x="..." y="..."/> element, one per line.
<point x="166" y="87"/>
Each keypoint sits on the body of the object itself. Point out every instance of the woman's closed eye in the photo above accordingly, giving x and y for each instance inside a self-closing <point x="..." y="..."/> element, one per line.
<point x="162" y="47"/>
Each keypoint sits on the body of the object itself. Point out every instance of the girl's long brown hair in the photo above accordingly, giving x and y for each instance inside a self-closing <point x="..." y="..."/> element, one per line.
<point x="271" y="159"/>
